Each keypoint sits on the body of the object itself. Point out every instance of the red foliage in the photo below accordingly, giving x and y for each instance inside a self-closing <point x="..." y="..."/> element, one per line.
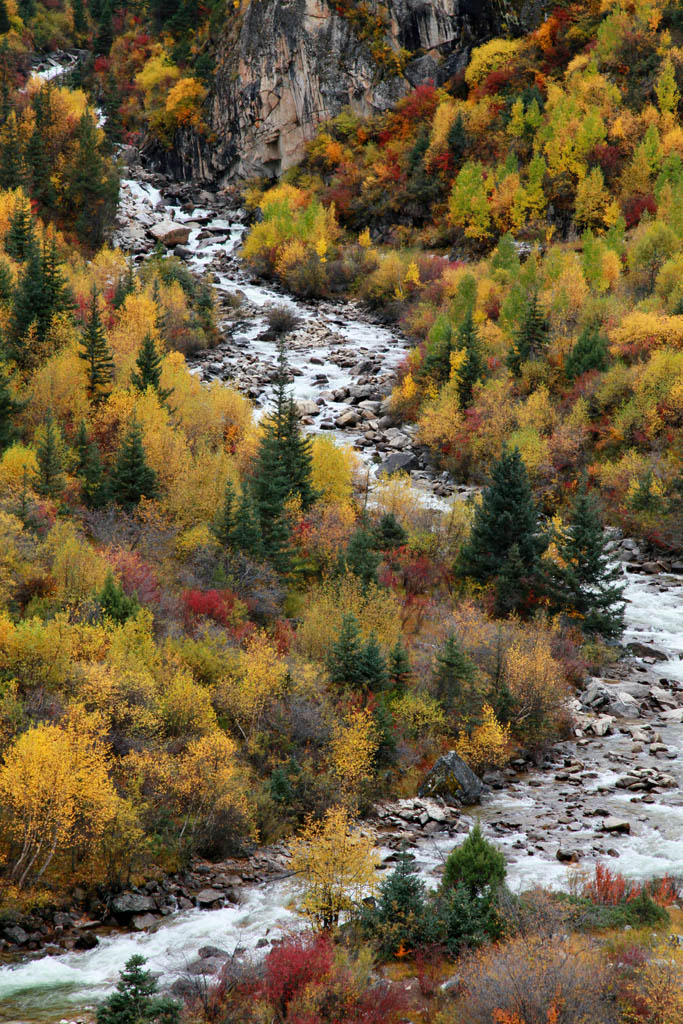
<point x="635" y="207"/>
<point x="609" y="158"/>
<point x="495" y="82"/>
<point x="288" y="968"/>
<point x="136" y="575"/>
<point x="283" y="636"/>
<point x="609" y="888"/>
<point x="218" y="605"/>
<point x="101" y="65"/>
<point x="492" y="307"/>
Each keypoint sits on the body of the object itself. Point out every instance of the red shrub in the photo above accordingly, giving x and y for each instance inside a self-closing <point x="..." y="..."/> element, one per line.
<point x="293" y="965"/>
<point x="635" y="207"/>
<point x="136" y="575"/>
<point x="219" y="605"/>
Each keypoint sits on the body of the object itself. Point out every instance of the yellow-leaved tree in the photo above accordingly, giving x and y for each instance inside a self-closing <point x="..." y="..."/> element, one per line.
<point x="354" y="746"/>
<point x="337" y="866"/>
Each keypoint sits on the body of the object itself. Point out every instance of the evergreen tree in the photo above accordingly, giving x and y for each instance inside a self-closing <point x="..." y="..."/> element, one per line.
<point x="132" y="478"/>
<point x="105" y="33"/>
<point x="80" y="22"/>
<point x="115" y="603"/>
<point x="5" y="23"/>
<point x="136" y="1001"/>
<point x="92" y="188"/>
<point x="246" y="535"/>
<point x="49" y="479"/>
<point x="587" y="584"/>
<point x="125" y="286"/>
<point x="512" y="584"/>
<point x="473" y="367"/>
<point x="6" y="283"/>
<point x="20" y="238"/>
<point x="400" y="670"/>
<point x="96" y="355"/>
<point x="37" y="158"/>
<point x="12" y="166"/>
<point x="111" y="104"/>
<point x="345" y="660"/>
<point x="399" y="917"/>
<point x="476" y="864"/>
<point x="506" y="517"/>
<point x="9" y="407"/>
<point x="360" y="557"/>
<point x="455" y="678"/>
<point x="148" y="373"/>
<point x="55" y="291"/>
<point x="457" y="139"/>
<point x="81" y="444"/>
<point x="389" y="534"/>
<point x="531" y="338"/>
<point x="589" y="353"/>
<point x="223" y="527"/>
<point x="41" y="292"/>
<point x="373" y="666"/>
<point x="27" y="10"/>
<point x="94" y="484"/>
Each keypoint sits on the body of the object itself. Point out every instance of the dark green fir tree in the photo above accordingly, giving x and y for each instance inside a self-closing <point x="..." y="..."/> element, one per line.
<point x="373" y="666"/>
<point x="132" y="477"/>
<point x="399" y="668"/>
<point x="589" y="353"/>
<point x="5" y="23"/>
<point x="10" y="407"/>
<point x="96" y="355"/>
<point x="6" y="283"/>
<point x="49" y="477"/>
<point x="246" y="536"/>
<point x="472" y="368"/>
<point x="345" y="659"/>
<point x="389" y="534"/>
<point x="136" y="999"/>
<point x="455" y="681"/>
<point x="12" y="164"/>
<point x="223" y="526"/>
<point x="361" y="557"/>
<point x="457" y="140"/>
<point x="148" y="373"/>
<point x="20" y="238"/>
<point x="115" y="603"/>
<point x="587" y="584"/>
<point x="531" y="337"/>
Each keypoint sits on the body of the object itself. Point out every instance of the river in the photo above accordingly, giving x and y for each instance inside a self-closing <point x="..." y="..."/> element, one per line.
<point x="529" y="819"/>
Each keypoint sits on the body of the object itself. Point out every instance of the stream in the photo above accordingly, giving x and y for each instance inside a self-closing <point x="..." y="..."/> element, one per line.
<point x="538" y="812"/>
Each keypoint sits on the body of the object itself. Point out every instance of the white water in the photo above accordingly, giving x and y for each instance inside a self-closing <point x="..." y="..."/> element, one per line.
<point x="47" y="989"/>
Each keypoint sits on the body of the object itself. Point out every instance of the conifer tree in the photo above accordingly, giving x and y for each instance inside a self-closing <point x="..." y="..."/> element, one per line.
<point x="400" y="670"/>
<point x="589" y="353"/>
<point x="457" y="139"/>
<point x="12" y="166"/>
<point x="81" y="443"/>
<point x="49" y="479"/>
<point x="6" y="283"/>
<point x="132" y="478"/>
<point x="89" y="468"/>
<point x="96" y="355"/>
<point x="345" y="660"/>
<point x="41" y="292"/>
<point x="507" y="517"/>
<point x="373" y="666"/>
<point x="586" y="583"/>
<point x="20" y="239"/>
<point x="473" y="367"/>
<point x="246" y="535"/>
<point x="360" y="557"/>
<point x="5" y="24"/>
<point x="148" y="373"/>
<point x="136" y="1000"/>
<point x="37" y="159"/>
<point x="80" y="22"/>
<point x="125" y="286"/>
<point x="532" y="335"/>
<point x="455" y="677"/>
<point x="115" y="603"/>
<point x="91" y="187"/>
<point x="9" y="407"/>
<point x="223" y="526"/>
<point x="389" y="534"/>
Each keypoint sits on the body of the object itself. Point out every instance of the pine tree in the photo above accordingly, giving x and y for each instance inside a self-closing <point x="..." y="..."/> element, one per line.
<point x="345" y="660"/>
<point x="148" y="374"/>
<point x="589" y="353"/>
<point x="5" y="23"/>
<point x="473" y="367"/>
<point x="37" y="159"/>
<point x="94" y="485"/>
<point x="49" y="480"/>
<point x="125" y="286"/>
<point x="389" y="534"/>
<point x="586" y="584"/>
<point x="531" y="338"/>
<point x="6" y="283"/>
<point x="96" y="355"/>
<point x="12" y="166"/>
<point x="132" y="478"/>
<point x="136" y="1001"/>
<point x="400" y="669"/>
<point x="105" y="34"/>
<point x="20" y="238"/>
<point x="81" y="444"/>
<point x="507" y="516"/>
<point x="9" y="407"/>
<point x="246" y="536"/>
<point x="223" y="526"/>
<point x="476" y="864"/>
<point x="115" y="603"/>
<point x="360" y="556"/>
<point x="80" y="22"/>
<point x="455" y="678"/>
<point x="457" y="139"/>
<point x="373" y="666"/>
<point x="91" y="186"/>
<point x="56" y="294"/>
<point x="41" y="292"/>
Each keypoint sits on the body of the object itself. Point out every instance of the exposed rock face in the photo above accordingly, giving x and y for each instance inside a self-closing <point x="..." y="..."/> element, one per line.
<point x="283" y="66"/>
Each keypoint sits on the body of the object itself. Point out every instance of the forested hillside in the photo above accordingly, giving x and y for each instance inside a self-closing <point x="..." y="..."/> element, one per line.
<point x="220" y="630"/>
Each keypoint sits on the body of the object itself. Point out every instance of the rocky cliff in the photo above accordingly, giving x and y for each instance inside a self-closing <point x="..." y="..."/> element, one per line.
<point x="283" y="66"/>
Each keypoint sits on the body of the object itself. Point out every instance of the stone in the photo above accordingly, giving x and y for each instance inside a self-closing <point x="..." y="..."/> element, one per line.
<point x="602" y="725"/>
<point x="347" y="419"/>
<point x="128" y="903"/>
<point x="308" y="408"/>
<point x="673" y="717"/>
<point x="141" y="922"/>
<point x="618" y="826"/>
<point x="453" y="780"/>
<point x="207" y="897"/>
<point x="624" y="705"/>
<point x="211" y="952"/>
<point x="87" y="940"/>
<point x="16" y="934"/>
<point x="169" y="233"/>
<point x="567" y="856"/>
<point x="642" y="650"/>
<point x="398" y="462"/>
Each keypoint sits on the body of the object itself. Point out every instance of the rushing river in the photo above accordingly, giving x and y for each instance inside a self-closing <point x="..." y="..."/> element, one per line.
<point x="54" y="987"/>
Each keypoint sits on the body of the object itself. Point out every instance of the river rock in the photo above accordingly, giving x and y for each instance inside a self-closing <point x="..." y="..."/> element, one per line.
<point x="642" y="650"/>
<point x="624" y="705"/>
<point x="398" y="462"/>
<point x="129" y="903"/>
<point x="141" y="922"/>
<point x="208" y="897"/>
<point x="169" y="233"/>
<point x="453" y="780"/>
<point x="674" y="716"/>
<point x="568" y="856"/>
<point x="87" y="940"/>
<point x="618" y="826"/>
<point x="17" y="935"/>
<point x="212" y="952"/>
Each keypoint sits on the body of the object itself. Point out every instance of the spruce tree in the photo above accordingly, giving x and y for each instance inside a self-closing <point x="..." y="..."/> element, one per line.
<point x="360" y="556"/>
<point x="20" y="238"/>
<point x="373" y="666"/>
<point x="115" y="603"/>
<point x="400" y="670"/>
<point x="473" y="366"/>
<point x="457" y="139"/>
<point x="81" y="444"/>
<point x="80" y="22"/>
<point x="9" y="408"/>
<point x="37" y="157"/>
<point x="586" y="583"/>
<point x="531" y="337"/>
<point x="94" y="483"/>
<point x="12" y="166"/>
<point x="91" y="186"/>
<point x="148" y="373"/>
<point x="136" y="1001"/>
<point x="125" y="286"/>
<point x="589" y="353"/>
<point x="49" y="479"/>
<point x="132" y="478"/>
<point x="507" y="516"/>
<point x="475" y="864"/>
<point x="246" y="534"/>
<point x="6" y="283"/>
<point x="455" y="679"/>
<point x="389" y="534"/>
<point x="96" y="355"/>
<point x="41" y="292"/>
<point x="223" y="527"/>
<point x="345" y="659"/>
<point x="5" y="23"/>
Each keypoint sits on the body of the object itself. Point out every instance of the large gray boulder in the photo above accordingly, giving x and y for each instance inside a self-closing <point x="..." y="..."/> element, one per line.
<point x="453" y="780"/>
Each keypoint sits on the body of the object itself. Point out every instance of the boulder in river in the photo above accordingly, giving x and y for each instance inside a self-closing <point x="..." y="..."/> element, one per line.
<point x="170" y="233"/>
<point x="453" y="780"/>
<point x="126" y="905"/>
<point x="399" y="462"/>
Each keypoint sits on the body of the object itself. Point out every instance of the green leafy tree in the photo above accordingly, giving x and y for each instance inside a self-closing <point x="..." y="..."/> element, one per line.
<point x="96" y="355"/>
<point x="531" y="337"/>
<point x="476" y="864"/>
<point x="49" y="478"/>
<point x="506" y="518"/>
<point x="115" y="603"/>
<point x="148" y="373"/>
<point x="132" y="478"/>
<point x="589" y="353"/>
<point x="586" y="583"/>
<point x="136" y="1000"/>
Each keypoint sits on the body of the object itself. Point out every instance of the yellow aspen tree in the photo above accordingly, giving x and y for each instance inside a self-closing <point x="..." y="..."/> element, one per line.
<point x="354" y="746"/>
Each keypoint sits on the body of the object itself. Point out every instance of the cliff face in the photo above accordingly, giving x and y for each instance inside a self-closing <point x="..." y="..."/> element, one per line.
<point x="283" y="66"/>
